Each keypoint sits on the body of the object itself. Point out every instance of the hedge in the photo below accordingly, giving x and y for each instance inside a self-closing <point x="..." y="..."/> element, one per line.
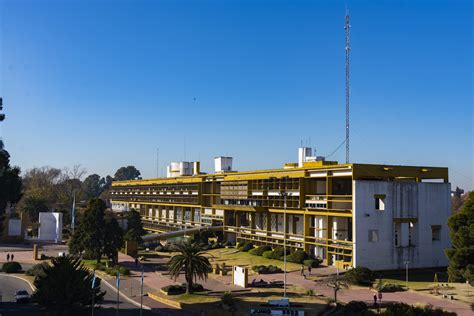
<point x="181" y="289"/>
<point x="297" y="257"/>
<point x="360" y="276"/>
<point x="262" y="269"/>
<point x="11" y="267"/>
<point x="313" y="263"/>
<point x="246" y="246"/>
<point x="260" y="250"/>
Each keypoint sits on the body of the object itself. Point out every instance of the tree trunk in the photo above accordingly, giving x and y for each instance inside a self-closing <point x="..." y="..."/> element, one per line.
<point x="189" y="284"/>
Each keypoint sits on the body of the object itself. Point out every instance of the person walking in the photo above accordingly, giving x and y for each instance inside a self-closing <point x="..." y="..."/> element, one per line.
<point x="8" y="257"/>
<point x="309" y="270"/>
<point x="11" y="257"/>
<point x="136" y="262"/>
<point x="302" y="270"/>
<point x="375" y="299"/>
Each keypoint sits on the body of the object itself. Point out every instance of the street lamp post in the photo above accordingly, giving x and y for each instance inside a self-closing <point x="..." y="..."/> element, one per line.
<point x="284" y="194"/>
<point x="406" y="273"/>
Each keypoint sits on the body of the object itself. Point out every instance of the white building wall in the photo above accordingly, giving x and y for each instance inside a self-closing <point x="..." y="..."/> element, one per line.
<point x="428" y="203"/>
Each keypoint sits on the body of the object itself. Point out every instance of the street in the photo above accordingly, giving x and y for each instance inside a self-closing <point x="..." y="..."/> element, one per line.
<point x="9" y="284"/>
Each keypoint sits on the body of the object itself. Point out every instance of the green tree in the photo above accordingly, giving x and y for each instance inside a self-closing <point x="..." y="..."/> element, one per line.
<point x="461" y="255"/>
<point x="65" y="287"/>
<point x="92" y="186"/>
<point x="127" y="173"/>
<point x="97" y="234"/>
<point x="10" y="181"/>
<point x="192" y="260"/>
<point x="135" y="229"/>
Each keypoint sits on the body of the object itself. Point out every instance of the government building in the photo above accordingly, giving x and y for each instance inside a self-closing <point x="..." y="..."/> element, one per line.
<point x="377" y="216"/>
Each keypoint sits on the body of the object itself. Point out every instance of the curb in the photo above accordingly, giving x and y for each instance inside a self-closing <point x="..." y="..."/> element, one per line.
<point x="166" y="301"/>
<point x="23" y="279"/>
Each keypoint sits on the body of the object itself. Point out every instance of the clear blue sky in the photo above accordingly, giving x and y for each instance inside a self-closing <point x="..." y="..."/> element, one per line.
<point x="104" y="83"/>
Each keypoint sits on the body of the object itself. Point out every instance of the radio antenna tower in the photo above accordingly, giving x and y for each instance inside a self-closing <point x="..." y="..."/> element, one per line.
<point x="348" y="51"/>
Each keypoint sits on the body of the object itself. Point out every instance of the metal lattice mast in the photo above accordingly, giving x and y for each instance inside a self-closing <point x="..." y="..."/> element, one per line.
<point x="348" y="50"/>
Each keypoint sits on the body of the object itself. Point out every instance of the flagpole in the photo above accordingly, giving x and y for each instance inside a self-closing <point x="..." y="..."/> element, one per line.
<point x="118" y="291"/>
<point x="141" y="295"/>
<point x="93" y="294"/>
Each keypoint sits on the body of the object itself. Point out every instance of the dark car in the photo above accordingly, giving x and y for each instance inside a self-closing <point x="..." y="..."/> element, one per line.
<point x="22" y="296"/>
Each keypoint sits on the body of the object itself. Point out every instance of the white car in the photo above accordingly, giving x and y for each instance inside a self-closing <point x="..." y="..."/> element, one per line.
<point x="22" y="296"/>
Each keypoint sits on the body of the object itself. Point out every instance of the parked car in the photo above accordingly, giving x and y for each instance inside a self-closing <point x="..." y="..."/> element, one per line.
<point x="22" y="296"/>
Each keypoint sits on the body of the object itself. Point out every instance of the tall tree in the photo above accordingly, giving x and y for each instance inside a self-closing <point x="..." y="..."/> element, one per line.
<point x="10" y="181"/>
<point x="96" y="234"/>
<point x="192" y="260"/>
<point x="65" y="287"/>
<point x="135" y="229"/>
<point x="461" y="255"/>
<point x="92" y="186"/>
<point x="127" y="173"/>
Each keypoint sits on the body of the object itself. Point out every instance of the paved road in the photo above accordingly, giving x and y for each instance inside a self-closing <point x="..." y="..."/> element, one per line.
<point x="9" y="284"/>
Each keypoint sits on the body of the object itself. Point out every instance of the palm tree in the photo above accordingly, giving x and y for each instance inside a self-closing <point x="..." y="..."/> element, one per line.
<point x="65" y="287"/>
<point x="192" y="260"/>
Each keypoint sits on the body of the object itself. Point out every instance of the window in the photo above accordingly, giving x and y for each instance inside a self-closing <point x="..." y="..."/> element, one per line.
<point x="435" y="232"/>
<point x="379" y="202"/>
<point x="373" y="235"/>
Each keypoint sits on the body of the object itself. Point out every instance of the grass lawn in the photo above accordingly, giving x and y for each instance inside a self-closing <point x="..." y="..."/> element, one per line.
<point x="417" y="278"/>
<point x="210" y="304"/>
<point x="231" y="256"/>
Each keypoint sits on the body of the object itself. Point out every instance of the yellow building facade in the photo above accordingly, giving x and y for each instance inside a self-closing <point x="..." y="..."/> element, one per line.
<point x="318" y="198"/>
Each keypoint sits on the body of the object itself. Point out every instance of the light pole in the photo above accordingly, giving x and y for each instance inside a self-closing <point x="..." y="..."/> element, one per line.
<point x="284" y="194"/>
<point x="406" y="273"/>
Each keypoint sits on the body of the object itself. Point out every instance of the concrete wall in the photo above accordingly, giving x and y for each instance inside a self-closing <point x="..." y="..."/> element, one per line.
<point x="411" y="208"/>
<point x="51" y="226"/>
<point x="14" y="227"/>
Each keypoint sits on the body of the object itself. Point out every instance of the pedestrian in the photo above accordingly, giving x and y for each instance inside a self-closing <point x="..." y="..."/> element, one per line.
<point x="309" y="269"/>
<point x="8" y="257"/>
<point x="375" y="299"/>
<point x="11" y="257"/>
<point x="136" y="262"/>
<point x="302" y="270"/>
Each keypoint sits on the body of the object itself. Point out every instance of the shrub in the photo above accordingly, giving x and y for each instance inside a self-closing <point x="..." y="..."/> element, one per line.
<point x="113" y="271"/>
<point x="360" y="276"/>
<point x="246" y="246"/>
<point x="297" y="256"/>
<point x="388" y="287"/>
<point x="309" y="292"/>
<point x="262" y="269"/>
<point x="174" y="289"/>
<point x="37" y="270"/>
<point x="228" y="299"/>
<point x="278" y="253"/>
<point x="180" y="289"/>
<point x="355" y="307"/>
<point x="267" y="254"/>
<point x="11" y="267"/>
<point x="313" y="263"/>
<point x="260" y="250"/>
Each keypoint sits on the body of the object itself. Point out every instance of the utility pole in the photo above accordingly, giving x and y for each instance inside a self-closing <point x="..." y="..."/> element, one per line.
<point x="406" y="274"/>
<point x="284" y="194"/>
<point x="348" y="50"/>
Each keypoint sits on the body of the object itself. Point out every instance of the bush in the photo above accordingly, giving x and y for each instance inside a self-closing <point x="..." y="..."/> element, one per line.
<point x="309" y="292"/>
<point x="37" y="270"/>
<point x="11" y="267"/>
<point x="246" y="246"/>
<point x="113" y="271"/>
<point x="267" y="254"/>
<point x="181" y="289"/>
<point x="174" y="289"/>
<point x="313" y="263"/>
<point x="297" y="256"/>
<point x="228" y="299"/>
<point x="260" y="250"/>
<point x="262" y="269"/>
<point x="388" y="287"/>
<point x="355" y="307"/>
<point x="360" y="276"/>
